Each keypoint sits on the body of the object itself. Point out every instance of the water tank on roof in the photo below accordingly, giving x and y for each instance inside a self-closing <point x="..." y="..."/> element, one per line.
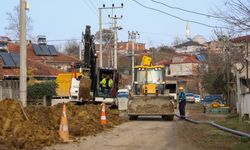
<point x="41" y="40"/>
<point x="200" y="39"/>
<point x="3" y="43"/>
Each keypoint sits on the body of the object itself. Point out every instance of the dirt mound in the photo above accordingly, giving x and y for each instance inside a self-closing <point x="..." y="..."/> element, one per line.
<point x="16" y="132"/>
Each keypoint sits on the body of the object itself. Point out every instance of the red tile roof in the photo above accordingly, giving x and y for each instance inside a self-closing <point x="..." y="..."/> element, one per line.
<point x="188" y="59"/>
<point x="37" y="63"/>
<point x="164" y="62"/>
<point x="31" y="55"/>
<point x="39" y="70"/>
<point x="242" y="39"/>
<point x="191" y="59"/>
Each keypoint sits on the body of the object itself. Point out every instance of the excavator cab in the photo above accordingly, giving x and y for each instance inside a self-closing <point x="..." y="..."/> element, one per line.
<point x="102" y="94"/>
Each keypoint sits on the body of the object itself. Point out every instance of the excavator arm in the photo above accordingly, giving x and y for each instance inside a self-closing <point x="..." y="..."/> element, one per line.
<point x="89" y="61"/>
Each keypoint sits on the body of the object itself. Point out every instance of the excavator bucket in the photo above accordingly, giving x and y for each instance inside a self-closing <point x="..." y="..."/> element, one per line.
<point x="85" y="88"/>
<point x="151" y="106"/>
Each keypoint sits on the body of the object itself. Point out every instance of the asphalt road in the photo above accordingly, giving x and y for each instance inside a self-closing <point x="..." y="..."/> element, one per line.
<point x="147" y="133"/>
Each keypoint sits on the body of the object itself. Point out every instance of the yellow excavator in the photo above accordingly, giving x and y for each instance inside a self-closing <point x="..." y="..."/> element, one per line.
<point x="148" y="96"/>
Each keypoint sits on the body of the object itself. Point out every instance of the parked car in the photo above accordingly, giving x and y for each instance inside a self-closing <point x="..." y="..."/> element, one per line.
<point x="209" y="99"/>
<point x="197" y="98"/>
<point x="190" y="97"/>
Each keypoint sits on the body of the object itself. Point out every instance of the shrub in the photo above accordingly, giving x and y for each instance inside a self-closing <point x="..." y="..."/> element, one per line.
<point x="39" y="90"/>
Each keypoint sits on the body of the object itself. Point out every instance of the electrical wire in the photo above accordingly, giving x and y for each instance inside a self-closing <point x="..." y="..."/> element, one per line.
<point x="189" y="11"/>
<point x="96" y="2"/>
<point x="89" y="6"/>
<point x="63" y="40"/>
<point x="179" y="18"/>
<point x="93" y="5"/>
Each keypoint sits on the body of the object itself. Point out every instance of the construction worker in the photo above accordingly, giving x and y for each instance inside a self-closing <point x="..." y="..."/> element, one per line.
<point x="182" y="102"/>
<point x="106" y="85"/>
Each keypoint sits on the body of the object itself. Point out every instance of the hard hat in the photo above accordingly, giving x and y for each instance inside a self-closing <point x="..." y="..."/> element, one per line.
<point x="181" y="88"/>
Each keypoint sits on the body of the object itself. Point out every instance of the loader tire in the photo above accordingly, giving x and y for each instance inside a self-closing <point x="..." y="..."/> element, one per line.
<point x="133" y="117"/>
<point x="168" y="117"/>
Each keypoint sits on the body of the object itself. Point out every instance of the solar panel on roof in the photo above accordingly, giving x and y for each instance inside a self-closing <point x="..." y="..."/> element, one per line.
<point x="16" y="58"/>
<point x="45" y="49"/>
<point x="38" y="50"/>
<point x="7" y="59"/>
<point x="201" y="57"/>
<point x="52" y="50"/>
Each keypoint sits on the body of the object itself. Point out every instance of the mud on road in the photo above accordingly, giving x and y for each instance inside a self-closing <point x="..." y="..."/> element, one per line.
<point x="146" y="133"/>
<point x="43" y="125"/>
<point x="149" y="133"/>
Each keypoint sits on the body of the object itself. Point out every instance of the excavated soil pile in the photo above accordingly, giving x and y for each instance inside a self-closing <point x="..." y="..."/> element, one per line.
<point x="16" y="132"/>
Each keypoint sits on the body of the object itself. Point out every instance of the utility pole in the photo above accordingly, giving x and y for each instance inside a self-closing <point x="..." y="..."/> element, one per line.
<point x="23" y="53"/>
<point x="115" y="28"/>
<point x="100" y="27"/>
<point x="100" y="34"/>
<point x="133" y="36"/>
<point x="80" y="54"/>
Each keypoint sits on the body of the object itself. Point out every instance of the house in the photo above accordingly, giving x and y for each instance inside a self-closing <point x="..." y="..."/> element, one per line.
<point x="244" y="43"/>
<point x="184" y="69"/>
<point x="192" y="46"/>
<point x="123" y="47"/>
<point x="242" y="73"/>
<point x="45" y="54"/>
<point x="43" y="63"/>
<point x="184" y="65"/>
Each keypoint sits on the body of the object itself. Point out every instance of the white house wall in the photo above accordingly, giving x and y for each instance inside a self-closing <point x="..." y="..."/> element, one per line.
<point x="245" y="104"/>
<point x="183" y="69"/>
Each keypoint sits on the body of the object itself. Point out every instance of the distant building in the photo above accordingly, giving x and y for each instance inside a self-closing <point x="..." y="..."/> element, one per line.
<point x="184" y="69"/>
<point x="45" y="54"/>
<point x="123" y="47"/>
<point x="43" y="63"/>
<point x="192" y="46"/>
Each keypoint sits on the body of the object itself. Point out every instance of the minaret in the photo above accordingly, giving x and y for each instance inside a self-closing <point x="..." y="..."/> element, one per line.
<point x="187" y="31"/>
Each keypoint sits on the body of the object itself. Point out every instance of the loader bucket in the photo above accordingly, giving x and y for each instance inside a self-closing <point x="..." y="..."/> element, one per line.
<point x="151" y="105"/>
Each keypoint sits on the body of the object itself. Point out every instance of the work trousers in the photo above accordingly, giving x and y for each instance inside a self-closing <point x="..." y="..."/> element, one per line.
<point x="182" y="105"/>
<point x="106" y="92"/>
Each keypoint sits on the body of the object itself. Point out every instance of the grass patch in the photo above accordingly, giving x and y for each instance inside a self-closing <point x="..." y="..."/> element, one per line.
<point x="241" y="146"/>
<point x="232" y="121"/>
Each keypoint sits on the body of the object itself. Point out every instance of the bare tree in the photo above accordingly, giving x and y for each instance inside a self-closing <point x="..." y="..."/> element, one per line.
<point x="236" y="15"/>
<point x="177" y="41"/>
<point x="219" y="78"/>
<point x="71" y="48"/>
<point x="12" y="28"/>
<point x="107" y="36"/>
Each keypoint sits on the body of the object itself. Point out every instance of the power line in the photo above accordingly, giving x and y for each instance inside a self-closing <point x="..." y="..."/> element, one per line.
<point x="189" y="11"/>
<point x="93" y="5"/>
<point x="63" y="40"/>
<point x="179" y="18"/>
<point x="89" y="6"/>
<point x="96" y="2"/>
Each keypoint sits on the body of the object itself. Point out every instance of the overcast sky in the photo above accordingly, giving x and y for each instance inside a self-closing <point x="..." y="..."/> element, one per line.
<point x="66" y="19"/>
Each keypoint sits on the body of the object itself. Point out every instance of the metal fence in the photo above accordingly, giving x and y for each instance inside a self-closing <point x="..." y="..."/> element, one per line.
<point x="9" y="89"/>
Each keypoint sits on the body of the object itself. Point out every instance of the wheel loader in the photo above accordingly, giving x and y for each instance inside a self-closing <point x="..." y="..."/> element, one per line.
<point x="148" y="96"/>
